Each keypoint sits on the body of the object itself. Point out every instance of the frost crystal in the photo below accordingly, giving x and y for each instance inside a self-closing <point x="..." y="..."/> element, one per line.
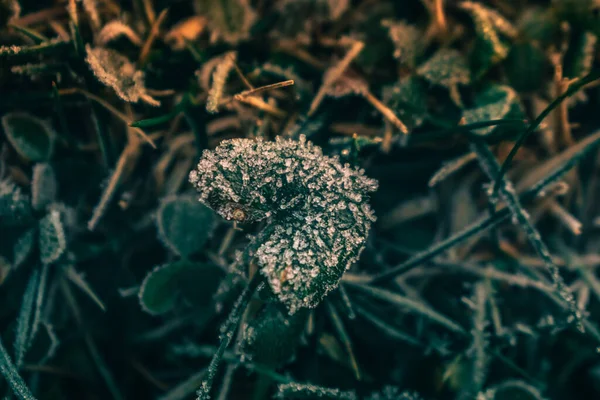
<point x="317" y="207"/>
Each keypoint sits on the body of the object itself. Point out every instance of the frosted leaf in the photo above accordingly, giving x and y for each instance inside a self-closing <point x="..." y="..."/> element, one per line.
<point x="183" y="225"/>
<point x="294" y="390"/>
<point x="115" y="29"/>
<point x="446" y="68"/>
<point x="52" y="239"/>
<point x="301" y="17"/>
<point x="393" y="393"/>
<point x="219" y="78"/>
<point x="43" y="186"/>
<point x="489" y="17"/>
<point x="583" y="54"/>
<point x="272" y="336"/>
<point x="496" y="102"/>
<point x="91" y="9"/>
<point x="407" y="39"/>
<point x="31" y="137"/>
<point x="490" y="25"/>
<point x="116" y="71"/>
<point x="319" y="218"/>
<point x="408" y="99"/>
<point x="228" y="20"/>
<point x="15" y="208"/>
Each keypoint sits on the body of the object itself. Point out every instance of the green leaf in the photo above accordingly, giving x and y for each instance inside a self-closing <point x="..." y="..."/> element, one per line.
<point x="229" y="20"/>
<point x="526" y="67"/>
<point x="490" y="47"/>
<point x="43" y="186"/>
<point x="184" y="224"/>
<point x="447" y="68"/>
<point x="407" y="40"/>
<point x="408" y="99"/>
<point x="272" y="336"/>
<point x="31" y="137"/>
<point x="52" y="240"/>
<point x="164" y="284"/>
<point x="495" y="102"/>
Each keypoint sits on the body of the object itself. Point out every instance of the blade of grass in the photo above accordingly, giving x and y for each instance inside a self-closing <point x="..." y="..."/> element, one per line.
<point x="573" y="88"/>
<point x="10" y="373"/>
<point x="344" y="337"/>
<point x="405" y="302"/>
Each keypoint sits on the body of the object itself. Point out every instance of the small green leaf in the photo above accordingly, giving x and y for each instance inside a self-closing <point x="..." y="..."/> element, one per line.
<point x="52" y="238"/>
<point x="184" y="224"/>
<point x="43" y="186"/>
<point x="272" y="336"/>
<point x="31" y="137"/>
<point x="159" y="289"/>
<point x="165" y="283"/>
<point x="526" y="67"/>
<point x="496" y="102"/>
<point x="408" y="99"/>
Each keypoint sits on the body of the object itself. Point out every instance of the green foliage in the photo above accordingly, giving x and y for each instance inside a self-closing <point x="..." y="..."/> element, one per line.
<point x="184" y="225"/>
<point x="31" y="137"/>
<point x="105" y="249"/>
<point x="165" y="284"/>
<point x="272" y="336"/>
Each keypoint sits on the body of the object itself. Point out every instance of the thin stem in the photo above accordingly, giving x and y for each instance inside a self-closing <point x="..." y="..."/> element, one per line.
<point x="573" y="88"/>
<point x="227" y="331"/>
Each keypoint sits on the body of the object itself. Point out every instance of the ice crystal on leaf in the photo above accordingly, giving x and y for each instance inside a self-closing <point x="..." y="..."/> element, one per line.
<point x="317" y="208"/>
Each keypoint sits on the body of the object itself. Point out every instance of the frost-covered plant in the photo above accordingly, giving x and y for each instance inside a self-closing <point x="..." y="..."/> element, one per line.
<point x="116" y="71"/>
<point x="317" y="211"/>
